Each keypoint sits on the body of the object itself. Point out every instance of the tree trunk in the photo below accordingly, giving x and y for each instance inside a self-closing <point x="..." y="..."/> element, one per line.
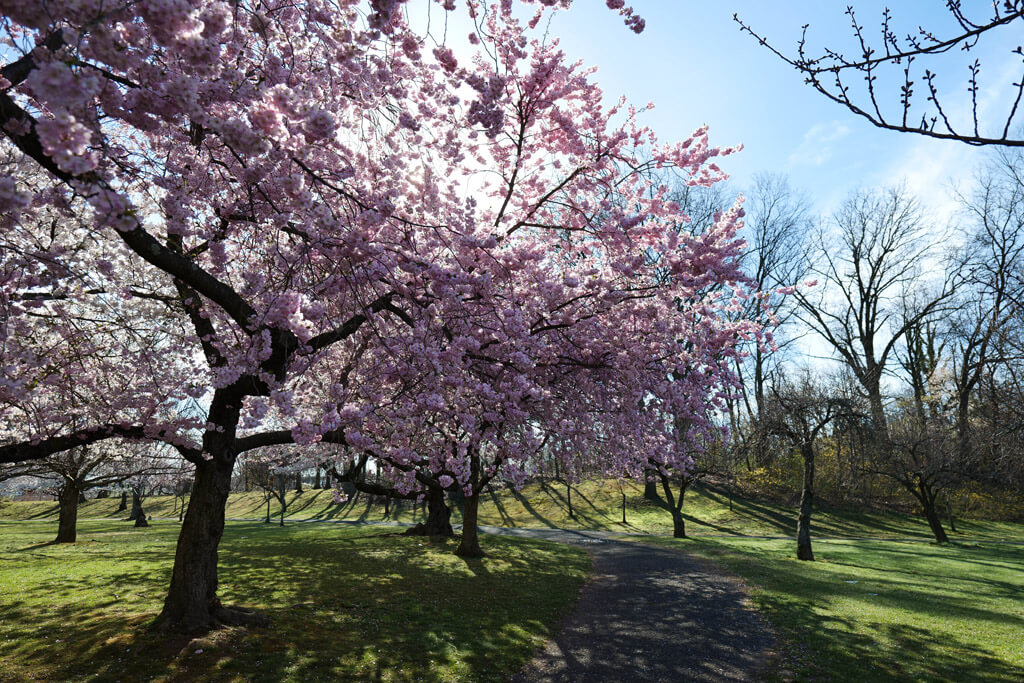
<point x="438" y="514"/>
<point x="568" y="496"/>
<point x="936" y="524"/>
<point x="803" y="524"/>
<point x="674" y="506"/>
<point x="927" y="499"/>
<point x="623" y="506"/>
<point x="873" y="388"/>
<point x="124" y="502"/>
<point x="316" y="483"/>
<point x="140" y="521"/>
<point x="136" y="507"/>
<point x="192" y="605"/>
<point x="469" y="546"/>
<point x="678" y="524"/>
<point x="949" y="512"/>
<point x="67" y="522"/>
<point x="298" y="482"/>
<point x="81" y="497"/>
<point x="650" y="486"/>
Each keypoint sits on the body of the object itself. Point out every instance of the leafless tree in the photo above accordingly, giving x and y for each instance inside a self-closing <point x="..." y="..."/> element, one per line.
<point x="991" y="307"/>
<point x="884" y="72"/>
<point x="921" y="358"/>
<point x="921" y="456"/>
<point x="777" y="225"/>
<point x="798" y="412"/>
<point x="985" y="354"/>
<point x="867" y="267"/>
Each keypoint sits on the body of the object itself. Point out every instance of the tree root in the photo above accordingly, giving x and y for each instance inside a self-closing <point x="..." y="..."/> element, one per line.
<point x="219" y="616"/>
<point x="422" y="529"/>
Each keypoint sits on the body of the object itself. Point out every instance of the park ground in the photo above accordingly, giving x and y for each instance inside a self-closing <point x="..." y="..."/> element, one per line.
<point x="362" y="602"/>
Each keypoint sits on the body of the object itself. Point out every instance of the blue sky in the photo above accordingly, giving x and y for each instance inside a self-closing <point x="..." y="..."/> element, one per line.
<point x="697" y="67"/>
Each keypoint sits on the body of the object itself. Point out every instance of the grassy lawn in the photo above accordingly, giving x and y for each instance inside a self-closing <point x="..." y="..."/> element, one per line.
<point x="346" y="603"/>
<point x="596" y="505"/>
<point x="362" y="603"/>
<point x="877" y="610"/>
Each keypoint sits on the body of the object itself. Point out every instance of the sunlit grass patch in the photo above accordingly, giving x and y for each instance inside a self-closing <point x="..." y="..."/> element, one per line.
<point x="596" y="504"/>
<point x="346" y="603"/>
<point x="873" y="610"/>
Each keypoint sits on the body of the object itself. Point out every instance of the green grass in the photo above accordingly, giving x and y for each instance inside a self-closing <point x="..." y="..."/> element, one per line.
<point x="596" y="505"/>
<point x="874" y="610"/>
<point x="941" y="613"/>
<point x="346" y="603"/>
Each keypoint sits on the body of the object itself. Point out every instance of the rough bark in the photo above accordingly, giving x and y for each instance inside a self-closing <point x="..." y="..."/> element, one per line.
<point x="67" y="521"/>
<point x="438" y="516"/>
<point x="675" y="505"/>
<point x="282" y="495"/>
<point x="873" y="387"/>
<point x="678" y="524"/>
<point x="803" y="524"/>
<point x="469" y="546"/>
<point x="136" y="507"/>
<point x="124" y="502"/>
<point x="192" y="605"/>
<point x="927" y="499"/>
<point x="650" y="486"/>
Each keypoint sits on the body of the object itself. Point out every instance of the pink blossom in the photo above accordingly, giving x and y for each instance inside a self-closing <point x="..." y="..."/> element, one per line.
<point x="320" y="124"/>
<point x="66" y="141"/>
<point x="446" y="58"/>
<point x="12" y="200"/>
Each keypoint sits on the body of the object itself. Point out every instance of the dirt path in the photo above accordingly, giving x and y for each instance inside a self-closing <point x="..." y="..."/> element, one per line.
<point x="649" y="614"/>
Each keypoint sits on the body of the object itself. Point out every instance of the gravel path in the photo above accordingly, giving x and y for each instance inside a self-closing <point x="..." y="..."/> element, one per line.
<point x="649" y="614"/>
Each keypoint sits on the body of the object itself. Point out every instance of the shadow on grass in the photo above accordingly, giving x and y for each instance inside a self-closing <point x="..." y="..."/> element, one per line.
<point x="903" y="590"/>
<point x="506" y="519"/>
<point x="579" y="515"/>
<point x="852" y="655"/>
<point x="531" y="510"/>
<point x="343" y="606"/>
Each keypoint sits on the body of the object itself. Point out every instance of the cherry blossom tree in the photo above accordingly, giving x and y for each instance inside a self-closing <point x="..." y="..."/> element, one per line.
<point x="296" y="223"/>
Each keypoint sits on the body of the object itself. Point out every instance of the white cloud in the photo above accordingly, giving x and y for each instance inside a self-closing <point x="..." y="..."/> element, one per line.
<point x="931" y="171"/>
<point x="816" y="147"/>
